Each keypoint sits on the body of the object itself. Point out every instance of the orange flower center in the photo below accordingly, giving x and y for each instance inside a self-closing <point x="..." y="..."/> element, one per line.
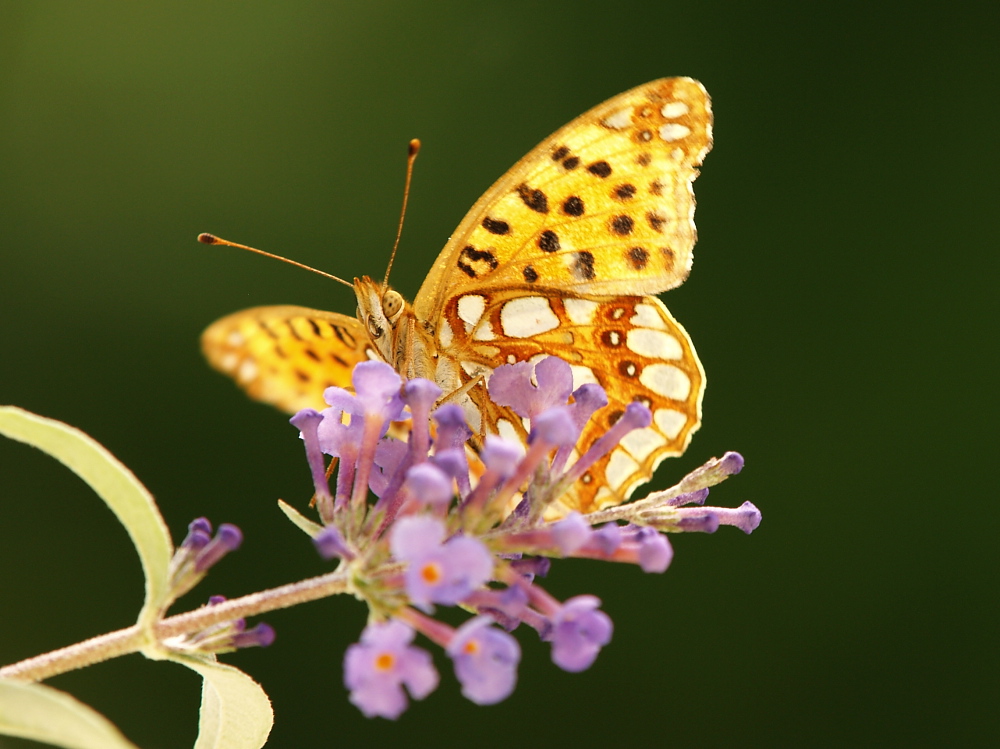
<point x="431" y="573"/>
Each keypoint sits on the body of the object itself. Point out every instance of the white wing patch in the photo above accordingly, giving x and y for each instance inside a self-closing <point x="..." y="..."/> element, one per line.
<point x="527" y="316"/>
<point x="655" y="344"/>
<point x="666" y="380"/>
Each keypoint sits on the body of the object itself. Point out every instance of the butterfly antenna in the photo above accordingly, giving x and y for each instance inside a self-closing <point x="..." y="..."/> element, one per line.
<point x="212" y="239"/>
<point x="414" y="150"/>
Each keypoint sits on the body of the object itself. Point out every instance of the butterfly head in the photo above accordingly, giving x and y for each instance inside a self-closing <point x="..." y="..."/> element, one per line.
<point x="379" y="311"/>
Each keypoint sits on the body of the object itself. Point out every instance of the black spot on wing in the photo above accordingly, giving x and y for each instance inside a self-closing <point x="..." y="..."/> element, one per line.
<point x="600" y="169"/>
<point x="548" y="241"/>
<point x="480" y="255"/>
<point x="573" y="206"/>
<point x="560" y="153"/>
<point x="583" y="266"/>
<point x="637" y="257"/>
<point x="495" y="226"/>
<point x="622" y="225"/>
<point x="530" y="274"/>
<point x="534" y="199"/>
<point x="624" y="192"/>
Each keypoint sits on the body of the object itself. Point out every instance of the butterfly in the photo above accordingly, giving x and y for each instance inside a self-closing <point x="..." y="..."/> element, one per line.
<point x="561" y="256"/>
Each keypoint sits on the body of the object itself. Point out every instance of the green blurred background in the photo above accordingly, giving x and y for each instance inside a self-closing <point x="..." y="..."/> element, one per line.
<point x="843" y="302"/>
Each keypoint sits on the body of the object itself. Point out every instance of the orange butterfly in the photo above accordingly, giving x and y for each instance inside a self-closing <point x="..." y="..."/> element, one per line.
<point x="561" y="257"/>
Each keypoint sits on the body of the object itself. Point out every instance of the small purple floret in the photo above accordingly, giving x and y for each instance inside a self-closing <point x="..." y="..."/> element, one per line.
<point x="329" y="544"/>
<point x="200" y="524"/>
<point x="578" y="633"/>
<point x="307" y="421"/>
<point x="377" y="668"/>
<point x="260" y="637"/>
<point x="485" y="661"/>
<point x="509" y="385"/>
<point x="227" y="539"/>
<point x="421" y="394"/>
<point x="655" y="552"/>
<point x="746" y="517"/>
<point x="501" y="455"/>
<point x="556" y="426"/>
<point x="731" y="463"/>
<point x="376" y="387"/>
<point x="452" y="431"/>
<point x="698" y="520"/>
<point x="608" y="538"/>
<point x="571" y="533"/>
<point x="435" y="572"/>
<point x="429" y="484"/>
<point x="199" y="534"/>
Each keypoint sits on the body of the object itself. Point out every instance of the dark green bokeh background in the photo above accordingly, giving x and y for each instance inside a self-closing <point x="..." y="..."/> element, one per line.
<point x="843" y="300"/>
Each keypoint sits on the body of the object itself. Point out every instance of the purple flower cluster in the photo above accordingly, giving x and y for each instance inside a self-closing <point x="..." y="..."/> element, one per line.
<point x="469" y="522"/>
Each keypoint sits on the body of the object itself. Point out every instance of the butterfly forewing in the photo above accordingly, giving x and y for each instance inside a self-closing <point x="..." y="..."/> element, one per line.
<point x="287" y="356"/>
<point x="603" y="206"/>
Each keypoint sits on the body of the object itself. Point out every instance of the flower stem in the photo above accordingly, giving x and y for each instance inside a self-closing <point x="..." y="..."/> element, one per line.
<point x="132" y="639"/>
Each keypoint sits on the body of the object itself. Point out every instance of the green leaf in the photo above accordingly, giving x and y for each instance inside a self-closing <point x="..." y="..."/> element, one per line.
<point x="128" y="499"/>
<point x="35" y="711"/>
<point x="235" y="712"/>
<point x="304" y="523"/>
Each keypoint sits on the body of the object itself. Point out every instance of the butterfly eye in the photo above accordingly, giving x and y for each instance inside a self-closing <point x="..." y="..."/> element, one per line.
<point x="373" y="329"/>
<point x="392" y="303"/>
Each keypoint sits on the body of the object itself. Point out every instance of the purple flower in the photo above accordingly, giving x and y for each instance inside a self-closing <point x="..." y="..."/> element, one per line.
<point x="608" y="537"/>
<point x="429" y="485"/>
<point x="509" y="385"/>
<point x="389" y="456"/>
<point x="485" y="661"/>
<point x="571" y="532"/>
<point x="376" y="392"/>
<point x="377" y="668"/>
<point x="501" y="455"/>
<point x="579" y="631"/>
<point x="438" y="571"/>
<point x="307" y="421"/>
<point x="228" y="538"/>
<point x="655" y="552"/>
<point x="260" y="636"/>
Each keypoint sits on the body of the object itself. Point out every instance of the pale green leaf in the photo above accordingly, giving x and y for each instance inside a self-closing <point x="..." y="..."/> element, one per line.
<point x="35" y="711"/>
<point x="304" y="523"/>
<point x="130" y="501"/>
<point x="235" y="712"/>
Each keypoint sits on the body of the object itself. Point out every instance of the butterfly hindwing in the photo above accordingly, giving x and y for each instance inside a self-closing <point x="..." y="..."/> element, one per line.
<point x="287" y="356"/>
<point x="631" y="346"/>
